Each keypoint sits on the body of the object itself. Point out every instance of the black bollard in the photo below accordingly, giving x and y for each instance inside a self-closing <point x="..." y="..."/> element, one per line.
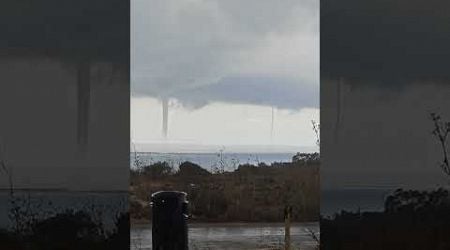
<point x="169" y="222"/>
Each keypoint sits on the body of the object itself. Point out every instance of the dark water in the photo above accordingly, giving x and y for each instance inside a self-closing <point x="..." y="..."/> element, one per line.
<point x="101" y="205"/>
<point x="353" y="199"/>
<point x="230" y="161"/>
<point x="247" y="236"/>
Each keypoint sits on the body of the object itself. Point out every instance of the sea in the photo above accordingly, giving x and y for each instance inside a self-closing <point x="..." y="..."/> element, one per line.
<point x="230" y="161"/>
<point x="363" y="199"/>
<point x="100" y="205"/>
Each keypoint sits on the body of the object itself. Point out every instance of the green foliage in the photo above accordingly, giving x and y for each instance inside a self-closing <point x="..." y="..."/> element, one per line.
<point x="306" y="158"/>
<point x="156" y="170"/>
<point x="191" y="169"/>
<point x="415" y="201"/>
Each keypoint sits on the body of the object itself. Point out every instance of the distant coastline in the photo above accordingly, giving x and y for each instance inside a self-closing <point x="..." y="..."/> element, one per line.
<point x="61" y="190"/>
<point x="192" y="148"/>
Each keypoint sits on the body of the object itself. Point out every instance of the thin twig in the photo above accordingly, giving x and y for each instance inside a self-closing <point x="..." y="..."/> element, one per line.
<point x="441" y="131"/>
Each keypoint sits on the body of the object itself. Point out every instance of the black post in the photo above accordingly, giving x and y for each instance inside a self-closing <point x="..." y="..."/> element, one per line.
<point x="169" y="222"/>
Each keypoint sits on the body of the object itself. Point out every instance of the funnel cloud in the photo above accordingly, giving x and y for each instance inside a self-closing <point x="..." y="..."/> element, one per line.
<point x="255" y="55"/>
<point x="207" y="51"/>
<point x="165" y="111"/>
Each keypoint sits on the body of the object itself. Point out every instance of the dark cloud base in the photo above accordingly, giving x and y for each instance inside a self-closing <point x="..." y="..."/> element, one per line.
<point x="97" y="30"/>
<point x="269" y="91"/>
<point x="385" y="40"/>
<point x="52" y="54"/>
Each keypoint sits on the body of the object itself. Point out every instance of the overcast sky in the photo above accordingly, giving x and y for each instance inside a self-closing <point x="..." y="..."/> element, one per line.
<point x="223" y="65"/>
<point x="384" y="64"/>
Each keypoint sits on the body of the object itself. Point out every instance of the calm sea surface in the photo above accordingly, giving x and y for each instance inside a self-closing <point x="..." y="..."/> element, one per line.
<point x="45" y="203"/>
<point x="353" y="199"/>
<point x="246" y="236"/>
<point x="230" y="161"/>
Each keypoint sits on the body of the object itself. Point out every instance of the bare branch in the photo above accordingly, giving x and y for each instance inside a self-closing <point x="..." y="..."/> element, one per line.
<point x="6" y="171"/>
<point x="440" y="131"/>
<point x="316" y="128"/>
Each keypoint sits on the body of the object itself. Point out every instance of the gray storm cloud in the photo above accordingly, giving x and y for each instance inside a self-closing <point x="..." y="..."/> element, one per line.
<point x="385" y="43"/>
<point x="257" y="52"/>
<point x="65" y="68"/>
<point x="383" y="70"/>
<point x="281" y="93"/>
<point x="385" y="136"/>
<point x="65" y="32"/>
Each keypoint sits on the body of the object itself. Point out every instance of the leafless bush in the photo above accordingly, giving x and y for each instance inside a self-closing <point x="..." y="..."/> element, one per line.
<point x="316" y="128"/>
<point x="440" y="131"/>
